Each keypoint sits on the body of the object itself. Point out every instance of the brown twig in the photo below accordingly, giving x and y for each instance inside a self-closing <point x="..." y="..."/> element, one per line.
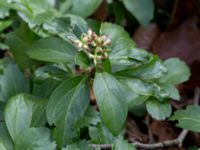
<point x="196" y="96"/>
<point x="176" y="142"/>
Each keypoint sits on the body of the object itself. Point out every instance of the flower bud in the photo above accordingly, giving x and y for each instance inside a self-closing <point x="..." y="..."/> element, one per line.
<point x="98" y="40"/>
<point x="104" y="38"/>
<point x="106" y="55"/>
<point x="99" y="49"/>
<point x="94" y="35"/>
<point x="79" y="45"/>
<point x="107" y="42"/>
<point x="85" y="39"/>
<point x="94" y="43"/>
<point x="95" y="62"/>
<point x="89" y="33"/>
<point x="85" y="46"/>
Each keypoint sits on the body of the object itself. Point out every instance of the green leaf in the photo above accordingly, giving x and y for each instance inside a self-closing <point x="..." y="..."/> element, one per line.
<point x="4" y="12"/>
<point x="35" y="138"/>
<point x="193" y="148"/>
<point x="153" y="69"/>
<point x="171" y="89"/>
<point x="19" y="42"/>
<point x="34" y="12"/>
<point x="82" y="59"/>
<point x="4" y="24"/>
<point x="178" y="71"/>
<point x="142" y="10"/>
<point x="5" y="139"/>
<point x="123" y="51"/>
<point x="106" y="65"/>
<point x="46" y="79"/>
<point x="45" y="88"/>
<point x="52" y="50"/>
<point x="110" y="100"/>
<point x="119" y="12"/>
<point x="91" y="117"/>
<point x="84" y="8"/>
<point x="68" y="27"/>
<point x="99" y="134"/>
<point x="188" y="118"/>
<point x="23" y="111"/>
<point x="66" y="105"/>
<point x="136" y="92"/>
<point x="50" y="72"/>
<point x="13" y="82"/>
<point x="2" y="147"/>
<point x="158" y="110"/>
<point x="122" y="145"/>
<point x="138" y="110"/>
<point x="94" y="25"/>
<point x="1" y="111"/>
<point x="4" y="46"/>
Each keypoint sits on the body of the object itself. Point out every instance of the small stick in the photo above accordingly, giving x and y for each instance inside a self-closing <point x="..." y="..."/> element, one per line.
<point x="170" y="143"/>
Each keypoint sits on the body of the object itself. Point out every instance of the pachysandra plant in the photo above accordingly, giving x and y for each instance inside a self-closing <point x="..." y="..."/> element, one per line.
<point x="62" y="66"/>
<point x="57" y="97"/>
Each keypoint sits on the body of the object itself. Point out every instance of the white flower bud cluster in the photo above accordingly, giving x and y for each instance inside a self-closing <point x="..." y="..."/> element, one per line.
<point x="93" y="45"/>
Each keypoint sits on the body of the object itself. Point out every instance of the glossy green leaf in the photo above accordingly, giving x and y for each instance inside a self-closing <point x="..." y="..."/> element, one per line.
<point x="99" y="134"/>
<point x="142" y="10"/>
<point x="178" y="71"/>
<point x="110" y="99"/>
<point x="84" y="8"/>
<point x="50" y="72"/>
<point x="106" y="66"/>
<point x="52" y="50"/>
<point x="123" y="51"/>
<point x="139" y="86"/>
<point x="138" y="110"/>
<point x="82" y="59"/>
<point x="119" y="12"/>
<point x="151" y="70"/>
<point x="122" y="145"/>
<point x="188" y="118"/>
<point x="23" y="111"/>
<point x="158" y="110"/>
<point x="46" y="79"/>
<point x="4" y="24"/>
<point x="1" y="111"/>
<point x="171" y="89"/>
<point x="136" y="92"/>
<point x="35" y="138"/>
<point x="34" y="12"/>
<point x="45" y="88"/>
<point x="13" y="82"/>
<point x="4" y="12"/>
<point x="5" y="139"/>
<point x="66" y="105"/>
<point x="91" y="117"/>
<point x="19" y="41"/>
<point x="2" y="147"/>
<point x="94" y="25"/>
<point x="68" y="27"/>
<point x="4" y="46"/>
